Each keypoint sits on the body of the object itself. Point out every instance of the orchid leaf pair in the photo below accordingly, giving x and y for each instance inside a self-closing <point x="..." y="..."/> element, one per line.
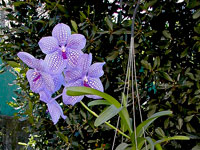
<point x="64" y="56"/>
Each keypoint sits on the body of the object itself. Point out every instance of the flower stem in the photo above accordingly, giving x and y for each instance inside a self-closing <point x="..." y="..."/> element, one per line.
<point x="57" y="96"/>
<point x="93" y="113"/>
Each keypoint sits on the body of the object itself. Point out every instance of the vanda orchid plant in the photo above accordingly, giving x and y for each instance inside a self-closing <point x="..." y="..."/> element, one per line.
<point x="66" y="65"/>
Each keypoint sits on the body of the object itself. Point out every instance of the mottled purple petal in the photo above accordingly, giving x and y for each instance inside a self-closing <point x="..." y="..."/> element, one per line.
<point x="96" y="70"/>
<point x="48" y="82"/>
<point x="58" y="81"/>
<point x="31" y="61"/>
<point x="55" y="111"/>
<point x="45" y="96"/>
<point x="40" y="65"/>
<point x="76" y="41"/>
<point x="95" y="83"/>
<point x="61" y="32"/>
<point x="48" y="44"/>
<point x="72" y="75"/>
<point x="27" y="59"/>
<point x="35" y="80"/>
<point x="72" y="57"/>
<point x="55" y="63"/>
<point x="84" y="63"/>
<point x="72" y="100"/>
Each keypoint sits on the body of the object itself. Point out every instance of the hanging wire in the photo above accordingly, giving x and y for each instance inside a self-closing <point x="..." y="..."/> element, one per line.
<point x="135" y="73"/>
<point x="131" y="68"/>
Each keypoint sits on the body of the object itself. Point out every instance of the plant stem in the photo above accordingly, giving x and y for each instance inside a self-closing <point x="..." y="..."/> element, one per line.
<point x="93" y="113"/>
<point x="57" y="96"/>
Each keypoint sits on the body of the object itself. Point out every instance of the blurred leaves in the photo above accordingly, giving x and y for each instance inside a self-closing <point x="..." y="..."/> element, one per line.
<point x="167" y="56"/>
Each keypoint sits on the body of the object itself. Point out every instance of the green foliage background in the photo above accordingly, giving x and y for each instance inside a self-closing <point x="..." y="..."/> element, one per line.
<point x="167" y="47"/>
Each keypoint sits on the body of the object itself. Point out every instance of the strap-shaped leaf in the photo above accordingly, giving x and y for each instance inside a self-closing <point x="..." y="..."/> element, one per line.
<point x="150" y="141"/>
<point x="145" y="124"/>
<point x="126" y="119"/>
<point x="106" y="115"/>
<point x="77" y="91"/>
<point x="178" y="137"/>
<point x="122" y="146"/>
<point x="141" y="142"/>
<point x="98" y="102"/>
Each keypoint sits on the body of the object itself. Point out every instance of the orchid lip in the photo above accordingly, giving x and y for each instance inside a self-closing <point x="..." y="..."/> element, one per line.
<point x="64" y="55"/>
<point x="63" y="52"/>
<point x="37" y="78"/>
<point x="85" y="82"/>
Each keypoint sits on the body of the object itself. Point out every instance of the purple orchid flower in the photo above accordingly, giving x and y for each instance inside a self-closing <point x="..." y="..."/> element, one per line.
<point x="37" y="77"/>
<point x="54" y="108"/>
<point x="62" y="48"/>
<point x="84" y="75"/>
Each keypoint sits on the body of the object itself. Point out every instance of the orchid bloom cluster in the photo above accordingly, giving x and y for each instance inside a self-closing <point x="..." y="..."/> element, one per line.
<point x="64" y="65"/>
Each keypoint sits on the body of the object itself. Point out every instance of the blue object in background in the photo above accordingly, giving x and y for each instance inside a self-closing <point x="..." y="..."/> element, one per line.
<point x="6" y="93"/>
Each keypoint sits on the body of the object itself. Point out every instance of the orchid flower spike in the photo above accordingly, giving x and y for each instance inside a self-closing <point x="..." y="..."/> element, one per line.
<point x="62" y="48"/>
<point x="84" y="75"/>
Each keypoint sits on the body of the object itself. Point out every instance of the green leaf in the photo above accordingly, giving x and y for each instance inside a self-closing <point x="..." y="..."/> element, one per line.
<point x="62" y="136"/>
<point x="166" y="123"/>
<point x="178" y="137"/>
<point x="150" y="33"/>
<point x="24" y="144"/>
<point x="107" y="114"/>
<point x="77" y="91"/>
<point x="188" y="118"/>
<point x="190" y="128"/>
<point x="103" y="32"/>
<point x="124" y="100"/>
<point x="17" y="4"/>
<point x="140" y="142"/>
<point x="125" y="119"/>
<point x="98" y="102"/>
<point x="156" y="62"/>
<point x="149" y="4"/>
<point x="74" y="25"/>
<point x="61" y="8"/>
<point x="180" y="123"/>
<point x="197" y="29"/>
<point x="120" y="31"/>
<point x="150" y="142"/>
<point x="13" y="64"/>
<point x="109" y="23"/>
<point x="146" y="64"/>
<point x="145" y="124"/>
<point x="160" y="132"/>
<point x="122" y="146"/>
<point x="185" y="52"/>
<point x="166" y="76"/>
<point x="167" y="34"/>
<point x="192" y="3"/>
<point x="197" y="147"/>
<point x="83" y="15"/>
<point x="112" y="55"/>
<point x="196" y="14"/>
